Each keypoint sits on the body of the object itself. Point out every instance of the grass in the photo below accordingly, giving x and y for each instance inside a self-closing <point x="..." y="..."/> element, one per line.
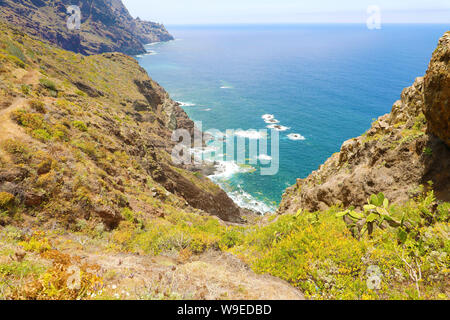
<point x="317" y="253"/>
<point x="48" y="84"/>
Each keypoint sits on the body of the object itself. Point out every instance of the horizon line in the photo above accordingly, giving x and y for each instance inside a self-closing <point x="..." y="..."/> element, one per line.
<point x="301" y="23"/>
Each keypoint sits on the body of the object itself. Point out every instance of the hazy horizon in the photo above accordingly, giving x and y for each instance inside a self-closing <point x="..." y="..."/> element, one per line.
<point x="201" y="12"/>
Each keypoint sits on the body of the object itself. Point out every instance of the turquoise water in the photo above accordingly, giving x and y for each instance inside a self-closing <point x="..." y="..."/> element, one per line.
<point x="325" y="82"/>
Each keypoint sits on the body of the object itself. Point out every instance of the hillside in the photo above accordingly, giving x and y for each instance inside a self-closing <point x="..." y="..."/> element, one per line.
<point x="403" y="150"/>
<point x="86" y="181"/>
<point x="92" y="207"/>
<point x="95" y="131"/>
<point x="106" y="25"/>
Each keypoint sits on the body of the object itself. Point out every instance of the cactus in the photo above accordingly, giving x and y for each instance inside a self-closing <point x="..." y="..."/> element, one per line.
<point x="376" y="212"/>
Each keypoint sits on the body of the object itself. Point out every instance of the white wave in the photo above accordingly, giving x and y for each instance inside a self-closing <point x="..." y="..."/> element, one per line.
<point x="226" y="169"/>
<point x="207" y="109"/>
<point x="186" y="104"/>
<point x="226" y="87"/>
<point x="152" y="43"/>
<point x="250" y="134"/>
<point x="269" y="118"/>
<point x="278" y="127"/>
<point x="265" y="157"/>
<point x="296" y="137"/>
<point x="149" y="53"/>
<point x="204" y="153"/>
<point x="247" y="201"/>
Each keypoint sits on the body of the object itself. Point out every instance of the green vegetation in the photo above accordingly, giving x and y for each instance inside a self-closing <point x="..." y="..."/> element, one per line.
<point x="48" y="84"/>
<point x="38" y="106"/>
<point x="6" y="200"/>
<point x="86" y="173"/>
<point x="319" y="253"/>
<point x="80" y="125"/>
<point x="428" y="151"/>
<point x="15" y="51"/>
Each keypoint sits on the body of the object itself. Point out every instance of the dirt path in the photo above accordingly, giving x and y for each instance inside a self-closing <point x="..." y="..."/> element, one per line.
<point x="9" y="129"/>
<point x="211" y="276"/>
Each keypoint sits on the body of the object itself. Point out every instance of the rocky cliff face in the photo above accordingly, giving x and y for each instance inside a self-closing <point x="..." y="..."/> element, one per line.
<point x="404" y="149"/>
<point x="106" y="25"/>
<point x="437" y="91"/>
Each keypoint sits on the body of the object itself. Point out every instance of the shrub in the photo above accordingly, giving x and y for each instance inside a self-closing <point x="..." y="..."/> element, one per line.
<point x="20" y="269"/>
<point x="16" y="52"/>
<point x="61" y="133"/>
<point x="6" y="200"/>
<point x="38" y="106"/>
<point x="38" y="242"/>
<point x="26" y="89"/>
<point x="42" y="134"/>
<point x="29" y="120"/>
<point x="428" y="151"/>
<point x="17" y="61"/>
<point x="16" y="148"/>
<point x="87" y="147"/>
<point x="80" y="93"/>
<point x="80" y="125"/>
<point x="67" y="279"/>
<point x="48" y="84"/>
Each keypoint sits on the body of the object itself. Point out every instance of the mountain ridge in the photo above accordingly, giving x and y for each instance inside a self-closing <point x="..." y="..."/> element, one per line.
<point x="106" y="25"/>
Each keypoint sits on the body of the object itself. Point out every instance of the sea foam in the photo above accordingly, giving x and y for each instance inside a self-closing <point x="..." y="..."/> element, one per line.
<point x="250" y="134"/>
<point x="186" y="104"/>
<point x="278" y="127"/>
<point x="296" y="137"/>
<point x="265" y="157"/>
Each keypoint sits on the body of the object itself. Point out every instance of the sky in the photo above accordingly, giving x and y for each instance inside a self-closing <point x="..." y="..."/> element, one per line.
<point x="177" y="12"/>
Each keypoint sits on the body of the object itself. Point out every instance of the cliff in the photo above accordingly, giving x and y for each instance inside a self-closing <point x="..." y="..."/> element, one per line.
<point x="106" y="25"/>
<point x="88" y="137"/>
<point x="403" y="150"/>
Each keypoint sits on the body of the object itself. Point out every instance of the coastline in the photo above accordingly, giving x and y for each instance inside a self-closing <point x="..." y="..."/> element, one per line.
<point x="221" y="172"/>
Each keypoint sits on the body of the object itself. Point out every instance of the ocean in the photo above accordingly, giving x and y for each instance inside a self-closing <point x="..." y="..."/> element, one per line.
<point x="321" y="84"/>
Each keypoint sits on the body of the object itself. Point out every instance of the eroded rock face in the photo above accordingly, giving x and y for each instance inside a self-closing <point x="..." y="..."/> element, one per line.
<point x="401" y="151"/>
<point x="106" y="25"/>
<point x="437" y="91"/>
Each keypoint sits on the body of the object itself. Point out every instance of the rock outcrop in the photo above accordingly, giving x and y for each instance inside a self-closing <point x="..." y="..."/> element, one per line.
<point x="106" y="25"/>
<point x="437" y="91"/>
<point x="402" y="151"/>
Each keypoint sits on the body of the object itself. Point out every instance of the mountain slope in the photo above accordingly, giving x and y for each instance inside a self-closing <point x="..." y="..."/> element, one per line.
<point x="87" y="183"/>
<point x="90" y="137"/>
<point x="402" y="151"/>
<point x="106" y="25"/>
